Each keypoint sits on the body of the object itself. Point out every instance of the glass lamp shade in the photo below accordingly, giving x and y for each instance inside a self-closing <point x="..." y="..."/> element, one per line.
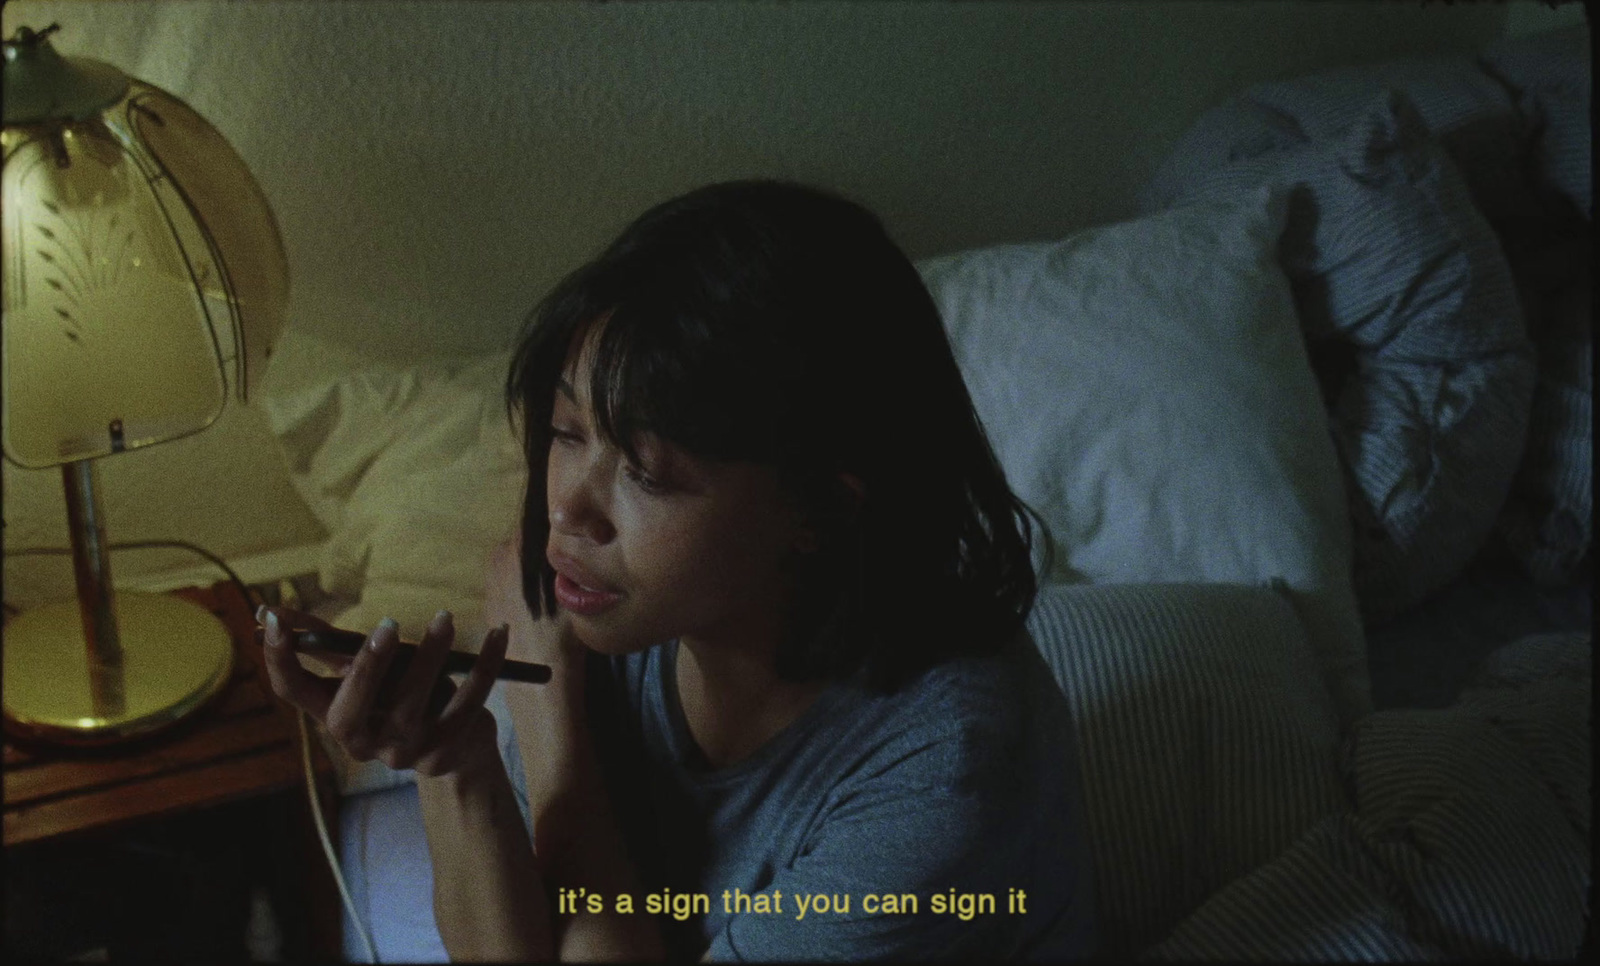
<point x="144" y="274"/>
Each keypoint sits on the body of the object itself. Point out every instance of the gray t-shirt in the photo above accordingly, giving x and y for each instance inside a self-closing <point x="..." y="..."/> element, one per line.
<point x="909" y="808"/>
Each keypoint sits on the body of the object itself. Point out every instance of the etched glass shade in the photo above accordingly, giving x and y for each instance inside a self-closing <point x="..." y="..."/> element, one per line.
<point x="144" y="278"/>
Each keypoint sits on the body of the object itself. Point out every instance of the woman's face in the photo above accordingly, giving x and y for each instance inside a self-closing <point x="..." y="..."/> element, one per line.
<point x="674" y="547"/>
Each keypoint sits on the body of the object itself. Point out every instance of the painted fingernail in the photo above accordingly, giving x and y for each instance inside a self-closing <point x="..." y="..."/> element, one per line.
<point x="274" y="631"/>
<point x="261" y="614"/>
<point x="443" y="619"/>
<point x="388" y="629"/>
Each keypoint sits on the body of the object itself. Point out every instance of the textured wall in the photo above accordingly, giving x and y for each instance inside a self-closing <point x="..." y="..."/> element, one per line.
<point x="435" y="167"/>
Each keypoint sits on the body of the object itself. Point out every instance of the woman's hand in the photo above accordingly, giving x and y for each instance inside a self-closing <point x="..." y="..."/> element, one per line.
<point x="406" y="718"/>
<point x="557" y="757"/>
<point x="575" y="829"/>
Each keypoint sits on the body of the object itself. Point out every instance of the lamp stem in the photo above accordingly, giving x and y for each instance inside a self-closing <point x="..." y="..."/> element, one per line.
<point x="91" y="565"/>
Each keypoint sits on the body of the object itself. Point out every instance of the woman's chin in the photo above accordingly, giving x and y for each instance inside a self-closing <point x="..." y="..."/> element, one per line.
<point x="608" y="638"/>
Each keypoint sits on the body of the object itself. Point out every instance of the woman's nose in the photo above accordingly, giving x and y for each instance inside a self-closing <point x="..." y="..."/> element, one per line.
<point x="576" y="510"/>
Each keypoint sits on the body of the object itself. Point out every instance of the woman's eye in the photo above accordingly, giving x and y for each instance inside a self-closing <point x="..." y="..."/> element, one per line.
<point x="644" y="481"/>
<point x="565" y="436"/>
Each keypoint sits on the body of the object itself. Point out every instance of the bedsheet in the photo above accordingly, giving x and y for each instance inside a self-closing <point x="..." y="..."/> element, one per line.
<point x="1467" y="836"/>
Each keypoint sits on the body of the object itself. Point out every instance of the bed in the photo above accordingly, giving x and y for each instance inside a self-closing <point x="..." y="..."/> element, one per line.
<point x="1313" y="433"/>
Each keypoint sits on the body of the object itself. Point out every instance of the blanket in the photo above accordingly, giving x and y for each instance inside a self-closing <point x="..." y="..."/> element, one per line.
<point x="1467" y="834"/>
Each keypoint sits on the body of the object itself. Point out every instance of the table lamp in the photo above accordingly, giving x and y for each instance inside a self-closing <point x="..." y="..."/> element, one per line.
<point x="144" y="280"/>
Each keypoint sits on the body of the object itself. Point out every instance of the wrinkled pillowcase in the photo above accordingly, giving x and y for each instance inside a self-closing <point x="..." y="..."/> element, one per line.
<point x="417" y="475"/>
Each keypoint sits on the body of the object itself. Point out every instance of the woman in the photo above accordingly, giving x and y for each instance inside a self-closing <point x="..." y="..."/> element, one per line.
<point x="790" y="583"/>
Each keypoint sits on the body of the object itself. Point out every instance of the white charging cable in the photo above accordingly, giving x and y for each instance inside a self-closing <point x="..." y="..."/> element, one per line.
<point x="300" y="716"/>
<point x="327" y="844"/>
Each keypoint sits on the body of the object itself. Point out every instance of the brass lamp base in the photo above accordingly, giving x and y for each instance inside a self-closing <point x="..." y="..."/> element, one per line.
<point x="176" y="655"/>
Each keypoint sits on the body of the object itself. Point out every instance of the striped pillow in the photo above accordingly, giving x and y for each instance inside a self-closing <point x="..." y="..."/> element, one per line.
<point x="1470" y="113"/>
<point x="1387" y="254"/>
<point x="1205" y="738"/>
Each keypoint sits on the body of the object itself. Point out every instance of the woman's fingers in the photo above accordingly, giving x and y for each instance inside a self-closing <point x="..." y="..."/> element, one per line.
<point x="475" y="689"/>
<point x="393" y="704"/>
<point x="464" y="728"/>
<point x="352" y="707"/>
<point x="289" y="680"/>
<point x="420" y="682"/>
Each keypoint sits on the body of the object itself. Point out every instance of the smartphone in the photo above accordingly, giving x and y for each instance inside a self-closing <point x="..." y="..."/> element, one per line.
<point x="349" y="643"/>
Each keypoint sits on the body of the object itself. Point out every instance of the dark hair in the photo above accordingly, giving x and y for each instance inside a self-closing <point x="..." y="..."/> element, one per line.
<point x="778" y="324"/>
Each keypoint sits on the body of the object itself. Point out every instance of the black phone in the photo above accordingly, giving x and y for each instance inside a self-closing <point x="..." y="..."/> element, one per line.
<point x="349" y="643"/>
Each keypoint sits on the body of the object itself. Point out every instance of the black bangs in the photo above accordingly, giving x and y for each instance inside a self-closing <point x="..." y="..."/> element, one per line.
<point x="691" y="348"/>
<point x="676" y="374"/>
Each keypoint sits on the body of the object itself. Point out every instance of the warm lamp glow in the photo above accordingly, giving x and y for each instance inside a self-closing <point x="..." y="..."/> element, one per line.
<point x="144" y="277"/>
<point x="140" y="256"/>
<point x="89" y="248"/>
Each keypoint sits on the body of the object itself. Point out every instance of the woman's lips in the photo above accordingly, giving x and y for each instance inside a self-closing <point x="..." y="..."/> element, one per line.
<point x="577" y="572"/>
<point x="577" y="590"/>
<point x="581" y="601"/>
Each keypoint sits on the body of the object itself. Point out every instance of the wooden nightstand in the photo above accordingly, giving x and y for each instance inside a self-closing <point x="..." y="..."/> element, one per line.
<point x="244" y="745"/>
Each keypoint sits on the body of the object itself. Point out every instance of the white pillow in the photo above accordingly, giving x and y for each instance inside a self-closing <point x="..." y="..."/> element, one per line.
<point x="1147" y="391"/>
